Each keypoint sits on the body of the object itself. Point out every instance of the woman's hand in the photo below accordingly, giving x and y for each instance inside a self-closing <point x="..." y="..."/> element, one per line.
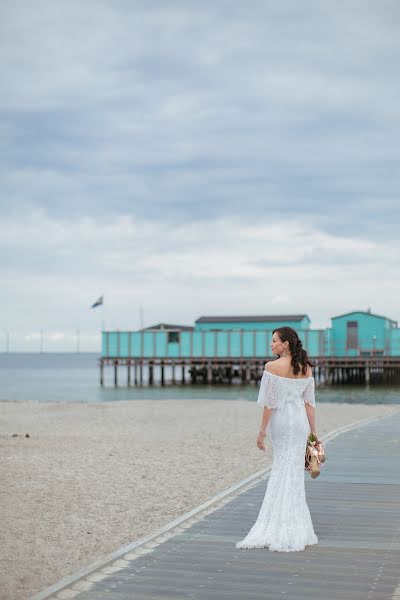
<point x="260" y="441"/>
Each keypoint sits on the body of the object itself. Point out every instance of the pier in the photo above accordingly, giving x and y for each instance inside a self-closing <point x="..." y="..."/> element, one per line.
<point x="129" y="372"/>
<point x="359" y="347"/>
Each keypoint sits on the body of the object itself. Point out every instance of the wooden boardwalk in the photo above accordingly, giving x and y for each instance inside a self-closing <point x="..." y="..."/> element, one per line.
<point x="355" y="507"/>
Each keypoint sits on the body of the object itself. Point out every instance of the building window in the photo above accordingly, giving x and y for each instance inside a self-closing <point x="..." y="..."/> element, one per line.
<point x="173" y="337"/>
<point x="352" y="335"/>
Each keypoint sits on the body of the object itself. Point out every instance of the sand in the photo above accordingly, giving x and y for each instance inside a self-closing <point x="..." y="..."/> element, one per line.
<point x="92" y="477"/>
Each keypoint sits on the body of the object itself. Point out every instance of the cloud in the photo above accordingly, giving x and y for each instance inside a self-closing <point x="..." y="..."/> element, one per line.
<point x="179" y="272"/>
<point x="241" y="152"/>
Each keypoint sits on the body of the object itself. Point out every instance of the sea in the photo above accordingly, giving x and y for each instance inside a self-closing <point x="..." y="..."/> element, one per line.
<point x="74" y="377"/>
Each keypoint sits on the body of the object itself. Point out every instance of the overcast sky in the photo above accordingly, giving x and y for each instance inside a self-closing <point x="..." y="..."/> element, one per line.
<point x="196" y="158"/>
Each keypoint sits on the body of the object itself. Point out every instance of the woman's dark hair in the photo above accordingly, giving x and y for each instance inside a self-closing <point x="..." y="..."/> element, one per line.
<point x="299" y="355"/>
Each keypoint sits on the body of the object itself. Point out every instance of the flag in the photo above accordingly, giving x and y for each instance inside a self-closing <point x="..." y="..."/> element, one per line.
<point x="98" y="302"/>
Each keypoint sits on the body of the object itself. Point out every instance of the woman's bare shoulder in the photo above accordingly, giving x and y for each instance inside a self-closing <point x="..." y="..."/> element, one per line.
<point x="277" y="368"/>
<point x="270" y="366"/>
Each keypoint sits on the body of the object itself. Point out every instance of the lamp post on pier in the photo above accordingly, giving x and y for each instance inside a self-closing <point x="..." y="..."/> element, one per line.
<point x="373" y="345"/>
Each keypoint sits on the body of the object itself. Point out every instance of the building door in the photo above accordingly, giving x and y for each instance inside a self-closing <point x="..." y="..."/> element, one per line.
<point x="352" y="335"/>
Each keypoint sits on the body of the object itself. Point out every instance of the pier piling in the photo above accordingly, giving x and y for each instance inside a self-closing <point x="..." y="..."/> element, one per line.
<point x="327" y="370"/>
<point x="162" y="373"/>
<point x="101" y="373"/>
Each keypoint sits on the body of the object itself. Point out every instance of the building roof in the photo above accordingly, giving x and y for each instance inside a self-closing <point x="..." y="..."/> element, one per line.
<point x="364" y="312"/>
<point x="167" y="326"/>
<point x="251" y="319"/>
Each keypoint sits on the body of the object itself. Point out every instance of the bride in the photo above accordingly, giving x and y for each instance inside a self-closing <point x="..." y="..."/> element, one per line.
<point x="287" y="394"/>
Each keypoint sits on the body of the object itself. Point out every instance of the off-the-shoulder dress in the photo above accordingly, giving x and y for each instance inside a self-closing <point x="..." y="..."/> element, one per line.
<point x="284" y="522"/>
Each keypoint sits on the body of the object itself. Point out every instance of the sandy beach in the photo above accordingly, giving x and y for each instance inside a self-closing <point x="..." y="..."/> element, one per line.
<point x="92" y="477"/>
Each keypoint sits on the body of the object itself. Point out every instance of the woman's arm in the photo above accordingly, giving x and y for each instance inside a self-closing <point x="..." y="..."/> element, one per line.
<point x="264" y="423"/>
<point x="310" y="410"/>
<point x="265" y="419"/>
<point x="309" y="401"/>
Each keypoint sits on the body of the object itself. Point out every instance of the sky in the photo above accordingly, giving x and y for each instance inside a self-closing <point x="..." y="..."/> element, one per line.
<point x="189" y="159"/>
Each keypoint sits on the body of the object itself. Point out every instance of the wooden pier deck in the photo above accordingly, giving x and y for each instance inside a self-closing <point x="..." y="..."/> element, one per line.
<point x="355" y="507"/>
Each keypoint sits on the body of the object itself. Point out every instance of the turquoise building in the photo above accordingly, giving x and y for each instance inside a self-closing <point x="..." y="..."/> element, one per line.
<point x="362" y="333"/>
<point x="357" y="333"/>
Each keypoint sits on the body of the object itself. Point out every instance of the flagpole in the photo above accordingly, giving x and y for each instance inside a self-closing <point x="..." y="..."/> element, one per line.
<point x="100" y="302"/>
<point x="103" y="319"/>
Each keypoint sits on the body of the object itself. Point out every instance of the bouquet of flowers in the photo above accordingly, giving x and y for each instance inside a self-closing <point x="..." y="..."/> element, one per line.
<point x="314" y="455"/>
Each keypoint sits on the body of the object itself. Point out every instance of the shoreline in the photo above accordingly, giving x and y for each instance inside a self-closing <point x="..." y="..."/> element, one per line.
<point x="93" y="477"/>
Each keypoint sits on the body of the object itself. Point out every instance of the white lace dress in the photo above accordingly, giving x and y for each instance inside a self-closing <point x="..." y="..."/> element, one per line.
<point x="284" y="521"/>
